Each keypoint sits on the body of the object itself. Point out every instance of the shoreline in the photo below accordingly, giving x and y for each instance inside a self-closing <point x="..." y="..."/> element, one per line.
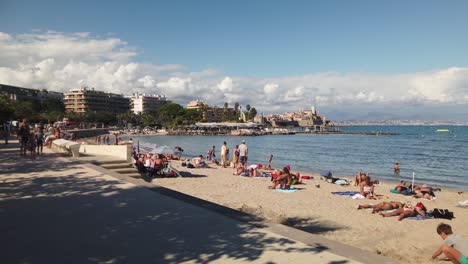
<point x="316" y="210"/>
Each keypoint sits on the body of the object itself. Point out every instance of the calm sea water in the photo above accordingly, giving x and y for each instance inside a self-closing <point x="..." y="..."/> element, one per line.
<point x="435" y="157"/>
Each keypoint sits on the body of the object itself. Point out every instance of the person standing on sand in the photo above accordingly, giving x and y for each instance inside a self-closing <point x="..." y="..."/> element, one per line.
<point x="243" y="152"/>
<point x="270" y="158"/>
<point x="455" y="247"/>
<point x="235" y="156"/>
<point x="223" y="154"/>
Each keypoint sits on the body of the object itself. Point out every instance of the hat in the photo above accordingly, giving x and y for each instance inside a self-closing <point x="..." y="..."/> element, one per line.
<point x="243" y="141"/>
<point x="288" y="167"/>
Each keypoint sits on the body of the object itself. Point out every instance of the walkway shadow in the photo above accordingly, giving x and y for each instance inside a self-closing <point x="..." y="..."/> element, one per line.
<point x="79" y="218"/>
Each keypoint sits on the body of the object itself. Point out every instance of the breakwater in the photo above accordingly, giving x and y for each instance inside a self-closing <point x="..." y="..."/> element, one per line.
<point x="88" y="133"/>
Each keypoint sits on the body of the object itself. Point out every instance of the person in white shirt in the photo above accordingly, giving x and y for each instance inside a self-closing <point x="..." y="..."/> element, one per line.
<point x="224" y="150"/>
<point x="243" y="152"/>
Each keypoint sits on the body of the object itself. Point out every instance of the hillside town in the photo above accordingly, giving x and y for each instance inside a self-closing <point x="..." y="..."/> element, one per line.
<point x="142" y="110"/>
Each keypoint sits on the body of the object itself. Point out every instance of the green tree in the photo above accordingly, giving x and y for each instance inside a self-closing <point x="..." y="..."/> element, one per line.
<point x="252" y="113"/>
<point x="25" y="109"/>
<point x="50" y="105"/>
<point x="7" y="111"/>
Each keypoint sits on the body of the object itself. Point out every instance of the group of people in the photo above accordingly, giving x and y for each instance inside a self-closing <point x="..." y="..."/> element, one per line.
<point x="149" y="165"/>
<point x="33" y="139"/>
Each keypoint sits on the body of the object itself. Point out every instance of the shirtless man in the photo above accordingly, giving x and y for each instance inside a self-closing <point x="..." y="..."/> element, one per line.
<point x="383" y="206"/>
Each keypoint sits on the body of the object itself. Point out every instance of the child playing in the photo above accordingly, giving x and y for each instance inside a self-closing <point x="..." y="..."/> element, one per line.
<point x="455" y="248"/>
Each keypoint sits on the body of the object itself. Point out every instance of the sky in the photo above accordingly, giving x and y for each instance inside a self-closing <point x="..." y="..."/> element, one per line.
<point x="350" y="59"/>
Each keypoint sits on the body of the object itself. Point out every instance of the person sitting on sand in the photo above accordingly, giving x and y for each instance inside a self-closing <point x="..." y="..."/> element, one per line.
<point x="240" y="169"/>
<point x="407" y="211"/>
<point x="382" y="206"/>
<point x="199" y="162"/>
<point x="367" y="188"/>
<point x="359" y="178"/>
<point x="284" y="179"/>
<point x="455" y="247"/>
<point x="402" y="187"/>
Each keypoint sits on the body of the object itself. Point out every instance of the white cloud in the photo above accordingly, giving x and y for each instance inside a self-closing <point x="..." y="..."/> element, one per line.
<point x="60" y="61"/>
<point x="226" y="84"/>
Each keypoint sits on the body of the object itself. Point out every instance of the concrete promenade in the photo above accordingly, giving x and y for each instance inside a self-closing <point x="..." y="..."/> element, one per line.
<point x="58" y="210"/>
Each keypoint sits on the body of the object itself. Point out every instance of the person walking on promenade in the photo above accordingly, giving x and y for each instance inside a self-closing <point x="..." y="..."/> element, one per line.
<point x="243" y="152"/>
<point x="23" y="134"/>
<point x="224" y="151"/>
<point x="455" y="247"/>
<point x="39" y="136"/>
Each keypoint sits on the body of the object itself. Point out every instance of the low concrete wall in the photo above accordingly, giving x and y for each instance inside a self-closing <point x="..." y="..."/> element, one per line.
<point x="121" y="152"/>
<point x="89" y="133"/>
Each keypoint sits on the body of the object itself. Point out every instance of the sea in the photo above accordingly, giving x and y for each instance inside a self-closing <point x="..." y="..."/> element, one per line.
<point x="434" y="158"/>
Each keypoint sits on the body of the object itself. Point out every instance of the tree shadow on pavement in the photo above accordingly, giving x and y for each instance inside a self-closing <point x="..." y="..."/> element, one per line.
<point x="84" y="218"/>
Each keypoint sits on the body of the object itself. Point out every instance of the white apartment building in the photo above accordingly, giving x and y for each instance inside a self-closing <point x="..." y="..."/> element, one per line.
<point x="143" y="104"/>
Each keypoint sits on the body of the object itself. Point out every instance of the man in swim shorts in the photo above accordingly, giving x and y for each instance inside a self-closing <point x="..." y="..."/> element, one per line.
<point x="455" y="247"/>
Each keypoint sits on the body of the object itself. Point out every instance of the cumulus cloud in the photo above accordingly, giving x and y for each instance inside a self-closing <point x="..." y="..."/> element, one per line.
<point x="60" y="62"/>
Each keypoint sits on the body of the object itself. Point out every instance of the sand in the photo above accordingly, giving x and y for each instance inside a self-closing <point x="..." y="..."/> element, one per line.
<point x="318" y="211"/>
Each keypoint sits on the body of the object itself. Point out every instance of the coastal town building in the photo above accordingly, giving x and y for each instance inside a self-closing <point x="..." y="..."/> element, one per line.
<point x="195" y="104"/>
<point x="84" y="99"/>
<point x="144" y="104"/>
<point x="15" y="94"/>
<point x="302" y="118"/>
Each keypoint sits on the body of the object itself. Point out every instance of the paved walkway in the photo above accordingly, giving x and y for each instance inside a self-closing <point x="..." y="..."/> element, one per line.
<point x="53" y="210"/>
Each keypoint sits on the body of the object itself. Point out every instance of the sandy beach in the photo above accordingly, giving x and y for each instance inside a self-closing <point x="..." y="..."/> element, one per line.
<point x="318" y="211"/>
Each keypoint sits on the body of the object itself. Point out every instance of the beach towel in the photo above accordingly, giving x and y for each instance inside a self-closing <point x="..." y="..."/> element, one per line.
<point x="286" y="190"/>
<point x="406" y="192"/>
<point x="420" y="217"/>
<point x="349" y="194"/>
<point x="463" y="204"/>
<point x="341" y="182"/>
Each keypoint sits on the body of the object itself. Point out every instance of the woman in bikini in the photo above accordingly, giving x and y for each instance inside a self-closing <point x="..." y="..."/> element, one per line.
<point x="383" y="206"/>
<point x="367" y="188"/>
<point x="407" y="211"/>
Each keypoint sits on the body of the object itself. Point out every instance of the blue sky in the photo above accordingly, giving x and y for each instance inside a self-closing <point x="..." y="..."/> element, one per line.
<point x="262" y="40"/>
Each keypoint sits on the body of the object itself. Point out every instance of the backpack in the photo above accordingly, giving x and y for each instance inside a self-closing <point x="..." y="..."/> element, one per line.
<point x="442" y="213"/>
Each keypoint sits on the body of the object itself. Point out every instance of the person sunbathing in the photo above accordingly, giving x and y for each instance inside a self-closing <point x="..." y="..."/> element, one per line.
<point x="407" y="211"/>
<point x="424" y="192"/>
<point x="382" y="206"/>
<point x="284" y="178"/>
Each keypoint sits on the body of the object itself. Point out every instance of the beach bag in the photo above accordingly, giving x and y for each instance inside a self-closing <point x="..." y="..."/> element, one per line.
<point x="190" y="166"/>
<point x="442" y="213"/>
<point x="183" y="164"/>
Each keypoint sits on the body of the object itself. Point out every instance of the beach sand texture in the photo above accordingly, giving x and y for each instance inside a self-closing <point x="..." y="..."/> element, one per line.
<point x="318" y="211"/>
